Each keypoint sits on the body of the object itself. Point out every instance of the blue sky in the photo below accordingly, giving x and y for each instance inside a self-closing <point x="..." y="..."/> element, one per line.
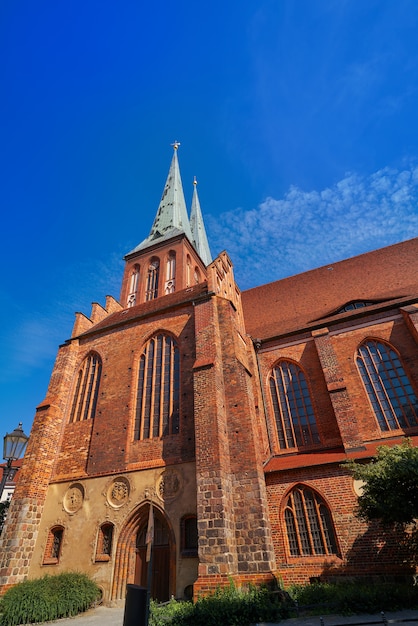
<point x="298" y="118"/>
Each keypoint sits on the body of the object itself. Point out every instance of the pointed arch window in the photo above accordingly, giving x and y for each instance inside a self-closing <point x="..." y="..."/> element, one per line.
<point x="188" y="271"/>
<point x="53" y="548"/>
<point x="152" y="280"/>
<point x="189" y="536"/>
<point x="170" y="274"/>
<point x="133" y="286"/>
<point x="293" y="410"/>
<point x="388" y="387"/>
<point x="87" y="389"/>
<point x="158" y="391"/>
<point x="309" y="526"/>
<point x="104" y="542"/>
<point x="196" y="275"/>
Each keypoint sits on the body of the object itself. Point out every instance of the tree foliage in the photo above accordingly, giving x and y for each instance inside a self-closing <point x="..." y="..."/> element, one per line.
<point x="390" y="490"/>
<point x="4" y="507"/>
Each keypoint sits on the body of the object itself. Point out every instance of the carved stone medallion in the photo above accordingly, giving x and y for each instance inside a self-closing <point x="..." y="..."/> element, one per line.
<point x="169" y="485"/>
<point x="74" y="498"/>
<point x="358" y="486"/>
<point x="118" y="492"/>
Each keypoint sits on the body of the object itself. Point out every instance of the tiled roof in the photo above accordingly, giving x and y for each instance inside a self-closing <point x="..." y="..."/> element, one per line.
<point x="281" y="463"/>
<point x="294" y="303"/>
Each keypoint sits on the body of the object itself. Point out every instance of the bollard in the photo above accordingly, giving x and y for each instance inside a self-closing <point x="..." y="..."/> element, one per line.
<point x="321" y="621"/>
<point x="135" y="606"/>
<point x="384" y="620"/>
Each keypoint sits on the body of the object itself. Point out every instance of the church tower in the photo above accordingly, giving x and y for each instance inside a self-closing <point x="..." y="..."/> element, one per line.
<point x="175" y="254"/>
<point x="231" y="414"/>
<point x="153" y="399"/>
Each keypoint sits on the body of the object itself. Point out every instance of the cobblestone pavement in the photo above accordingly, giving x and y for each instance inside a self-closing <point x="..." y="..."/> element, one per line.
<point x="410" y="618"/>
<point x="104" y="616"/>
<point x="100" y="616"/>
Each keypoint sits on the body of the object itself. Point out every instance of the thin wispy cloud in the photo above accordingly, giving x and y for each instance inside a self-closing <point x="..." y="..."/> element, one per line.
<point x="307" y="229"/>
<point x="281" y="237"/>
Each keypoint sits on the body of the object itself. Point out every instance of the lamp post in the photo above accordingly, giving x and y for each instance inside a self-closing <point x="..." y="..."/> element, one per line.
<point x="13" y="448"/>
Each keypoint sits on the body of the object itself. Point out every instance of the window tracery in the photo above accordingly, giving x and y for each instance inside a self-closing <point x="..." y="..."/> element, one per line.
<point x="292" y="405"/>
<point x="86" y="389"/>
<point x="133" y="286"/>
<point x="388" y="387"/>
<point x="158" y="389"/>
<point x="152" y="280"/>
<point x="170" y="277"/>
<point x="309" y="526"/>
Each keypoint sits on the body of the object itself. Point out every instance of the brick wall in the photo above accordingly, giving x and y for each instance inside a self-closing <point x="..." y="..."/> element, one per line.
<point x="227" y="421"/>
<point x="22" y="525"/>
<point x="181" y="247"/>
<point x="346" y="422"/>
<point x="364" y="550"/>
<point x="234" y="530"/>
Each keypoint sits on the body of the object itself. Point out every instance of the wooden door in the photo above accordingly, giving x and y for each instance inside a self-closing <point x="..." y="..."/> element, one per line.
<point x="160" y="583"/>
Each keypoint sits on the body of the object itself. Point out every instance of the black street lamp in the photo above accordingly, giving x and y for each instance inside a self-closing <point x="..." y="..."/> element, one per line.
<point x="13" y="448"/>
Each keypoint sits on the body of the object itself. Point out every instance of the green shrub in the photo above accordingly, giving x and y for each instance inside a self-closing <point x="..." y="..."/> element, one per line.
<point x="169" y="613"/>
<point x="348" y="597"/>
<point x="234" y="607"/>
<point x="48" y="598"/>
<point x="227" y="606"/>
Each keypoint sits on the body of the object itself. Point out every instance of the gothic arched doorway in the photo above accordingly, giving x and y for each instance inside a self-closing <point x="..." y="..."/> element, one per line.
<point x="160" y="561"/>
<point x="130" y="557"/>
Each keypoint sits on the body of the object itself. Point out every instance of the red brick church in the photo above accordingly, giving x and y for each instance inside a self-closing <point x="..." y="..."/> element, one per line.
<point x="231" y="412"/>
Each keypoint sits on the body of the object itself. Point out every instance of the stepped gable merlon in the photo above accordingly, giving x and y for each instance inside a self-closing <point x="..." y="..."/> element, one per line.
<point x="98" y="313"/>
<point x="221" y="279"/>
<point x="387" y="275"/>
<point x="83" y="323"/>
<point x="149" y="308"/>
<point x="112" y="305"/>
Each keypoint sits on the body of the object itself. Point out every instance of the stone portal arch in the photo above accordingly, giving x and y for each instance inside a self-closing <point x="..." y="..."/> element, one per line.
<point x="130" y="565"/>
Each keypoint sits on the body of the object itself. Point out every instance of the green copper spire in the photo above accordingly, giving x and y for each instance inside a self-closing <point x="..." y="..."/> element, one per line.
<point x="171" y="218"/>
<point x="197" y="226"/>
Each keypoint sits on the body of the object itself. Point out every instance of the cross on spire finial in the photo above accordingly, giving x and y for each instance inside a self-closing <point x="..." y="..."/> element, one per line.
<point x="176" y="145"/>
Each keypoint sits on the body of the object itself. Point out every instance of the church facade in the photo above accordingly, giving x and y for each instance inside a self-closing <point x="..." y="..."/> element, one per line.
<point x="231" y="413"/>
